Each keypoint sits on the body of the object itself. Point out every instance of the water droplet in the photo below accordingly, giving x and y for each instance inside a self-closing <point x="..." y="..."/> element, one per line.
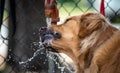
<point x="50" y="55"/>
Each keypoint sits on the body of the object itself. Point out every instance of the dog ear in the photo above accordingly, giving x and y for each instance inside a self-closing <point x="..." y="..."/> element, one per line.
<point x="95" y="24"/>
<point x="90" y="22"/>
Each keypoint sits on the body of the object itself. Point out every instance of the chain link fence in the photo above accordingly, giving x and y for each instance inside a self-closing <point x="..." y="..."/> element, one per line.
<point x="20" y="48"/>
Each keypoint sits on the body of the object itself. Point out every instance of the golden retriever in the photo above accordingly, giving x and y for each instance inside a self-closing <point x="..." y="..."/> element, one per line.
<point x="89" y="40"/>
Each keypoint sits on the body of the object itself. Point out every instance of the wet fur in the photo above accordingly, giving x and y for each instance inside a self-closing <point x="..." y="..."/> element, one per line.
<point x="91" y="42"/>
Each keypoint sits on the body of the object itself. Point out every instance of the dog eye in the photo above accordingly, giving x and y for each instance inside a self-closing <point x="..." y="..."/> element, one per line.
<point x="67" y="20"/>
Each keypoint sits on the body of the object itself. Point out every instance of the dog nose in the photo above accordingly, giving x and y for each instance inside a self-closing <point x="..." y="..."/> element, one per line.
<point x="43" y="29"/>
<point x="42" y="32"/>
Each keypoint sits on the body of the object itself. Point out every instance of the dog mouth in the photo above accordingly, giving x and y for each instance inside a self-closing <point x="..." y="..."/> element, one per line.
<point x="47" y="37"/>
<point x="48" y="43"/>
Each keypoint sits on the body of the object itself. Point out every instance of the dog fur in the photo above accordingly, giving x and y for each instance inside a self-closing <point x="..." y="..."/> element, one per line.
<point x="91" y="42"/>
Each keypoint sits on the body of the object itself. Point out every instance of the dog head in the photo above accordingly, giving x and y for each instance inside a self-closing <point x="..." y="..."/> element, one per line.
<point x="67" y="36"/>
<point x="61" y="36"/>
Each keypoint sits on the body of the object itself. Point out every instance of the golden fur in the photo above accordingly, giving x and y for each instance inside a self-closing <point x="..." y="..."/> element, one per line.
<point x="91" y="42"/>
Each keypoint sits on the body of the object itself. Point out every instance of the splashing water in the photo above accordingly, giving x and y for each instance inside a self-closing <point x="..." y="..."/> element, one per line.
<point x="50" y="55"/>
<point x="65" y="65"/>
<point x="41" y="47"/>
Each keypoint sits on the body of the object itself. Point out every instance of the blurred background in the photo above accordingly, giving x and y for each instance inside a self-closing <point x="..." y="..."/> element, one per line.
<point x="20" y="49"/>
<point x="77" y="7"/>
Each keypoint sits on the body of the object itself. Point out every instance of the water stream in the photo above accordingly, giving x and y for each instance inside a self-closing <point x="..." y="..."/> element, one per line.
<point x="50" y="55"/>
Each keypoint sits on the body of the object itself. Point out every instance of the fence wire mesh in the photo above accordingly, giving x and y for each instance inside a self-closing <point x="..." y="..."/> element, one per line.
<point x="20" y="47"/>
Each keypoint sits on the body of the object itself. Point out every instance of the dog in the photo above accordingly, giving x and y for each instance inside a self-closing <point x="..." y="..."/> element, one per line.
<point x="89" y="40"/>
